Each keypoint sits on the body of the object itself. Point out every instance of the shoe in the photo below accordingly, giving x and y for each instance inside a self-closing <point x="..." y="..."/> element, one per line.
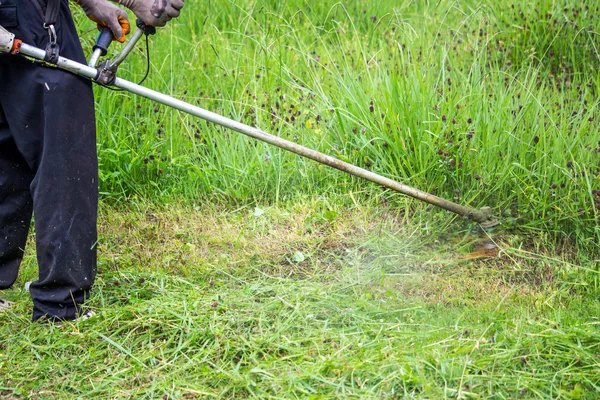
<point x="87" y="315"/>
<point x="59" y="322"/>
<point x="4" y="304"/>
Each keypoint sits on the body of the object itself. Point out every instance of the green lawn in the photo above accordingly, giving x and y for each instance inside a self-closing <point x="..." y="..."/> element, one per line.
<point x="230" y="269"/>
<point x="281" y="302"/>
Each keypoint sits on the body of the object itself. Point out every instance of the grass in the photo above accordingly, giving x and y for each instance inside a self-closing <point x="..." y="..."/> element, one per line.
<point x="485" y="104"/>
<point x="221" y="303"/>
<point x="230" y="269"/>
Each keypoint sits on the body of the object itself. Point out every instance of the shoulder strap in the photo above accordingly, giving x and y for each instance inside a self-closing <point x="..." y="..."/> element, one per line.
<point x="52" y="12"/>
<point x="50" y="17"/>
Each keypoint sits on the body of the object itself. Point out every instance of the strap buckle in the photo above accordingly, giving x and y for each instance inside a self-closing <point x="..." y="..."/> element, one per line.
<point x="52" y="48"/>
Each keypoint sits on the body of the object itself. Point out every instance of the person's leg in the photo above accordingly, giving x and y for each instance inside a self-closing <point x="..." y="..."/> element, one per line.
<point x="15" y="206"/>
<point x="65" y="199"/>
<point x="50" y="114"/>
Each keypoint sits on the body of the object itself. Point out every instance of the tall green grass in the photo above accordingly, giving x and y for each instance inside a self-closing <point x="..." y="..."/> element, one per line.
<point x="484" y="103"/>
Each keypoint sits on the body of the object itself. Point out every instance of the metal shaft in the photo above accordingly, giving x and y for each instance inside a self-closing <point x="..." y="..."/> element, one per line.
<point x="481" y="216"/>
<point x="137" y="35"/>
<point x="95" y="57"/>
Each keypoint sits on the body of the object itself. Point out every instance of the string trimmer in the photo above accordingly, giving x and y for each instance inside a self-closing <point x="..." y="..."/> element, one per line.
<point x="105" y="73"/>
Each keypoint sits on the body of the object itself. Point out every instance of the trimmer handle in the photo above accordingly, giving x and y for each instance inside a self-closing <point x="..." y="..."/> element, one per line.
<point x="105" y="37"/>
<point x="104" y="40"/>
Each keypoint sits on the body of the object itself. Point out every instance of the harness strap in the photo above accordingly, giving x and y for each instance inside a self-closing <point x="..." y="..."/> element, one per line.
<point x="50" y="17"/>
<point x="52" y="12"/>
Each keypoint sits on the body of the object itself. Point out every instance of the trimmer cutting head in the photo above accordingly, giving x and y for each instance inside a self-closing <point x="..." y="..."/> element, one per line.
<point x="489" y="222"/>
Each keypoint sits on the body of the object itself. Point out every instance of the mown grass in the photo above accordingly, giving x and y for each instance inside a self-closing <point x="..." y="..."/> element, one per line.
<point x="221" y="303"/>
<point x="229" y="269"/>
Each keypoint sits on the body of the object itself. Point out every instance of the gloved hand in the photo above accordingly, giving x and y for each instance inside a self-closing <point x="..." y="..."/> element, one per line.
<point x="154" y="12"/>
<point x="106" y="14"/>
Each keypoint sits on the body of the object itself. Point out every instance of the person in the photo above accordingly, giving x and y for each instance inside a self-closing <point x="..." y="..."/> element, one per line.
<point x="48" y="160"/>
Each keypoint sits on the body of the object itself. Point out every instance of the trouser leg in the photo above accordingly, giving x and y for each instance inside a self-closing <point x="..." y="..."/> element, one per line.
<point x="54" y="130"/>
<point x="50" y="116"/>
<point x="65" y="198"/>
<point x="15" y="206"/>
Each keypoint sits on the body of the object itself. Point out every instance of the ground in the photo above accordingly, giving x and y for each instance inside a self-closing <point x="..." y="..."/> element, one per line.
<point x="306" y="300"/>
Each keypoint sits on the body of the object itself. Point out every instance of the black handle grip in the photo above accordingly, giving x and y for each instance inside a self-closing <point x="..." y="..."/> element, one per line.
<point x="104" y="40"/>
<point x="147" y="29"/>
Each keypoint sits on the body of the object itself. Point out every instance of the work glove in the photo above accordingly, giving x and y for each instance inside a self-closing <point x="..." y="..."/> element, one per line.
<point x="154" y="12"/>
<point x="106" y="14"/>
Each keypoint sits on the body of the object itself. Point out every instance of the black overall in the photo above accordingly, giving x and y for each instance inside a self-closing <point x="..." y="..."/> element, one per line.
<point x="48" y="166"/>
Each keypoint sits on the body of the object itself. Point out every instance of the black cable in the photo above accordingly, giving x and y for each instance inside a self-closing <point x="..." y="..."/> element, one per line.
<point x="108" y="87"/>
<point x="148" y="63"/>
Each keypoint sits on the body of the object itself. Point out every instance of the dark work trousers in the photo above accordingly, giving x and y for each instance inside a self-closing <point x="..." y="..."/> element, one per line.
<point x="48" y="166"/>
